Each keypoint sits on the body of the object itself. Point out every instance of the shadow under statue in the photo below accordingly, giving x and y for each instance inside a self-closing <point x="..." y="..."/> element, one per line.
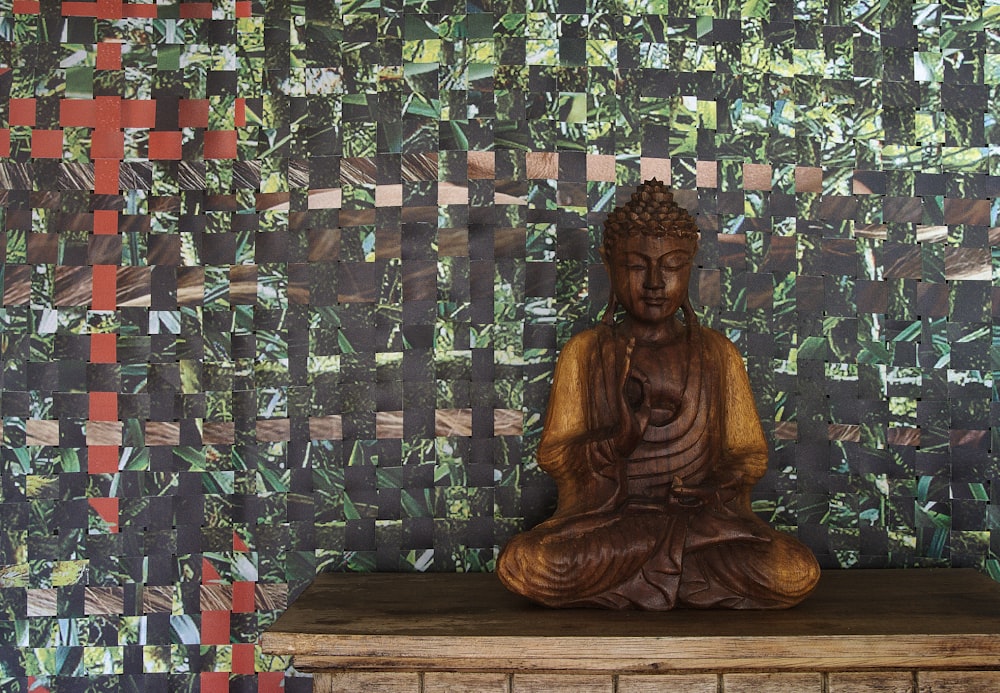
<point x="654" y="442"/>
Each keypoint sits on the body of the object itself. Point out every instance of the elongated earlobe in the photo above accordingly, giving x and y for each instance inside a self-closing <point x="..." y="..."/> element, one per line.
<point x="609" y="312"/>
<point x="690" y="317"/>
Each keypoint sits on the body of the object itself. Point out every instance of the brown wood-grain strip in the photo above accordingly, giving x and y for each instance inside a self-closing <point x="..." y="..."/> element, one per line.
<point x="668" y="683"/>
<point x="769" y="683"/>
<point x="870" y="682"/>
<point x="463" y="682"/>
<point x="367" y="681"/>
<point x="958" y="681"/>
<point x="562" y="683"/>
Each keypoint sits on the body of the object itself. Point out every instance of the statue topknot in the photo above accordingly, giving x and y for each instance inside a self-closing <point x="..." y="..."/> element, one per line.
<point x="651" y="211"/>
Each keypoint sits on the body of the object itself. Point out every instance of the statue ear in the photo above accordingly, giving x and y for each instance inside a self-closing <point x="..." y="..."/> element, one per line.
<point x="612" y="307"/>
<point x="609" y="311"/>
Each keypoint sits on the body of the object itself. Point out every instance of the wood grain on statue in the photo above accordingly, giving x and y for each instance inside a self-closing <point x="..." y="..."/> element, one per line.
<point x="654" y="442"/>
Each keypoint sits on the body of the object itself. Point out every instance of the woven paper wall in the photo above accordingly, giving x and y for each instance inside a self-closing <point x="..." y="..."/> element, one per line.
<point x="284" y="284"/>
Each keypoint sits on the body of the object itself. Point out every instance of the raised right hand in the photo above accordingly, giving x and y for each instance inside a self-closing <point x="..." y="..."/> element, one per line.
<point x="632" y="421"/>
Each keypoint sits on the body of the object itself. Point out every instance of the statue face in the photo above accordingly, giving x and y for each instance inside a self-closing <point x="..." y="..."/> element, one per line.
<point x="650" y="274"/>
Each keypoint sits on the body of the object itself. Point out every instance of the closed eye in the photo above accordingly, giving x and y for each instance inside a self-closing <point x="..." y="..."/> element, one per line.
<point x="675" y="261"/>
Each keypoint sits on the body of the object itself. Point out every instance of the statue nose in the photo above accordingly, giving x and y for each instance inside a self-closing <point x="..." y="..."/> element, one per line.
<point x="654" y="280"/>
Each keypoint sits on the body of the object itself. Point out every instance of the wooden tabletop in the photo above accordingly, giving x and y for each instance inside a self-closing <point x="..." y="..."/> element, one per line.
<point x="946" y="618"/>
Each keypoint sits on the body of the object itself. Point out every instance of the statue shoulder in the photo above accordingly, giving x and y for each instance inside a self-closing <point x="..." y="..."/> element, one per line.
<point x="719" y="344"/>
<point x="713" y="337"/>
<point x="587" y="341"/>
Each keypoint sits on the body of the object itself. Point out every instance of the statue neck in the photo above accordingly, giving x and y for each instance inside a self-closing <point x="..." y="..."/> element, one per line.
<point x="660" y="334"/>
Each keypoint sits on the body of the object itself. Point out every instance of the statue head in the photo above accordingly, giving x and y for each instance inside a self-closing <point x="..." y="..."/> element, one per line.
<point x="649" y="244"/>
<point x="651" y="211"/>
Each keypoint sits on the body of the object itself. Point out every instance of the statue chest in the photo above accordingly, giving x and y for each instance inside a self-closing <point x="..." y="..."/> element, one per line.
<point x="658" y="380"/>
<point x="661" y="383"/>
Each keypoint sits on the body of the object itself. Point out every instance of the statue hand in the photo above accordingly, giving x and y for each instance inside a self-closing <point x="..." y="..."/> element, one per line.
<point x="728" y="484"/>
<point x="716" y="490"/>
<point x="690" y="497"/>
<point x="632" y="421"/>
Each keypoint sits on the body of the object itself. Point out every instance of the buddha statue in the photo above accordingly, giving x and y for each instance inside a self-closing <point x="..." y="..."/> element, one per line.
<point x="654" y="443"/>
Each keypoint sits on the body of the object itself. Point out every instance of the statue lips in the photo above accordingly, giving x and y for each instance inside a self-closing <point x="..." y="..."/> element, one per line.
<point x="655" y="301"/>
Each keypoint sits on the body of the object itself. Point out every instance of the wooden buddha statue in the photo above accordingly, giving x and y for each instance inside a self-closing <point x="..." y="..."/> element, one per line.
<point x="654" y="442"/>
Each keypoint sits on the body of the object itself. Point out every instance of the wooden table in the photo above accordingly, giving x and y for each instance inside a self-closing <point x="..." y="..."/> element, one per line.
<point x="923" y="631"/>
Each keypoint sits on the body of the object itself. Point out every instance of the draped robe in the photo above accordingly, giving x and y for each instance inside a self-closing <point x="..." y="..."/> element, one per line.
<point x="614" y="540"/>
